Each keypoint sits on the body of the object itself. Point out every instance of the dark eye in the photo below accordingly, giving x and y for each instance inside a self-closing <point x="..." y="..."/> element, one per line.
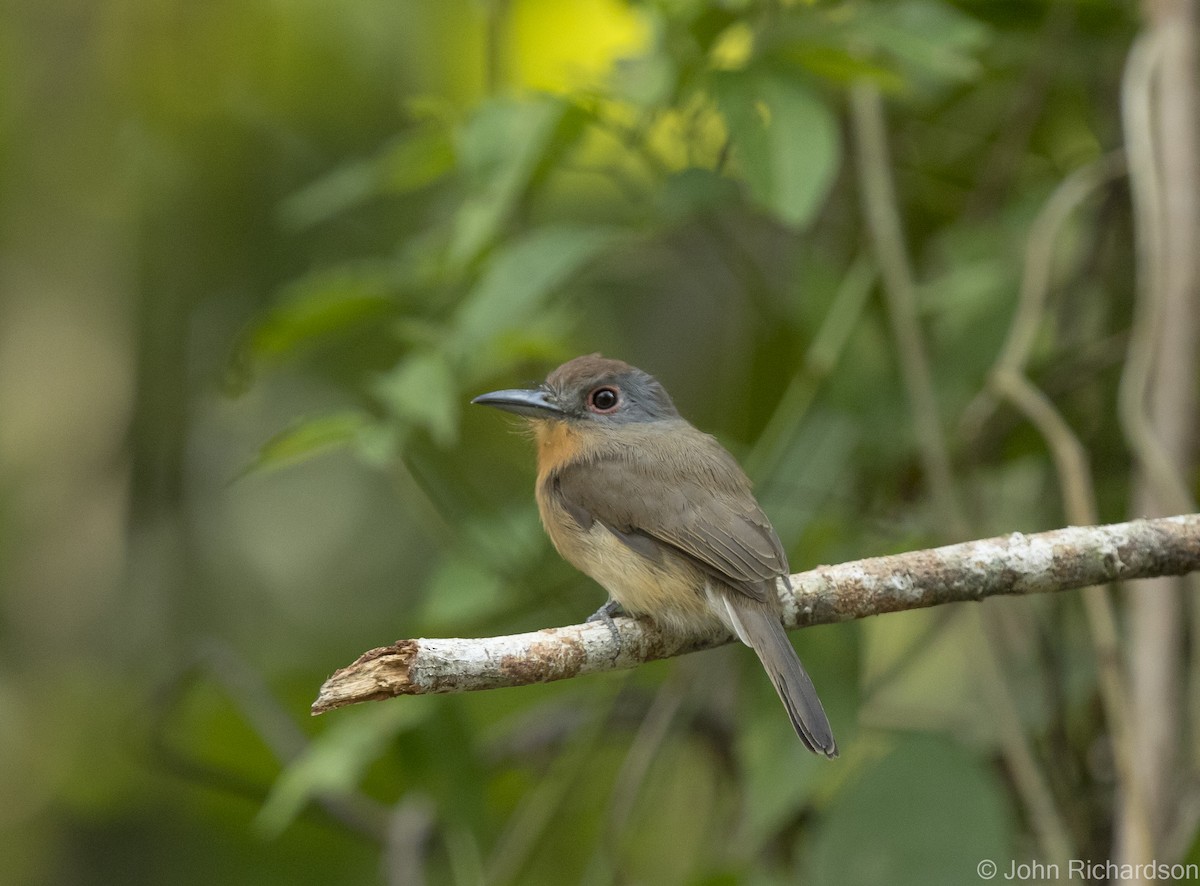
<point x="603" y="399"/>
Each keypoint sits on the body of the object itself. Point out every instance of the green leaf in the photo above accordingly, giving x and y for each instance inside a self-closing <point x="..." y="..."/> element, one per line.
<point x="913" y="46"/>
<point x="932" y="811"/>
<point x="518" y="280"/>
<point x="693" y="191"/>
<point x="787" y="141"/>
<point x="335" y="192"/>
<point x="421" y="392"/>
<point x="334" y="762"/>
<point x="646" y="80"/>
<point x="462" y="592"/>
<point x="710" y="24"/>
<point x="416" y="159"/>
<point x="321" y="305"/>
<point x="308" y="439"/>
<point x="506" y="542"/>
<point x="377" y="444"/>
<point x="837" y="64"/>
<point x="500" y="149"/>
<point x="933" y="41"/>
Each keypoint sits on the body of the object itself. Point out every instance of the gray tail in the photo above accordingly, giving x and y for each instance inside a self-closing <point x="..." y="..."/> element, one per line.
<point x="763" y="633"/>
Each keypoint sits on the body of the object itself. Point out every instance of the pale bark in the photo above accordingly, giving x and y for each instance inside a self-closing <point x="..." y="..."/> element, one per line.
<point x="1059" y="560"/>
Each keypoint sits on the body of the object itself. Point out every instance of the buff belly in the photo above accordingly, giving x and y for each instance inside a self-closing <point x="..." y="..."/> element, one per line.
<point x="671" y="591"/>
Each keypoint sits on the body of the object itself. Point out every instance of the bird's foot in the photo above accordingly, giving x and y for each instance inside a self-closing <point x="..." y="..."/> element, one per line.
<point x="605" y="614"/>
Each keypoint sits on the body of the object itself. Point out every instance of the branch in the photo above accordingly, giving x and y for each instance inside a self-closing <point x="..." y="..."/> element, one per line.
<point x="880" y="208"/>
<point x="1060" y="560"/>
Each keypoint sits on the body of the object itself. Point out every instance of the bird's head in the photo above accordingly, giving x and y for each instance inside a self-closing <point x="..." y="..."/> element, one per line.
<point x="589" y="389"/>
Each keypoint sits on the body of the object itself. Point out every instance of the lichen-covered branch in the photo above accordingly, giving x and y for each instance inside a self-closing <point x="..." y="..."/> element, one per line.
<point x="1060" y="560"/>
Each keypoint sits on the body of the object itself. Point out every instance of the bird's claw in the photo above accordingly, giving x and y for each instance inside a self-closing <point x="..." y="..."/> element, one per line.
<point x="605" y="614"/>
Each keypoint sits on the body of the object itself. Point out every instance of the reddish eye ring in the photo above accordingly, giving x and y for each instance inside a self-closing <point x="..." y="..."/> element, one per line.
<point x="604" y="400"/>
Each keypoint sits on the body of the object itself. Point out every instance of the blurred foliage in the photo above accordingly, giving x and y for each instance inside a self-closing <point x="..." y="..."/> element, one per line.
<point x="238" y="236"/>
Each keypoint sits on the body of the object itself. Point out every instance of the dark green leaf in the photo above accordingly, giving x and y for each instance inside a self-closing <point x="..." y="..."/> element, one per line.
<point x="926" y="814"/>
<point x="692" y="191"/>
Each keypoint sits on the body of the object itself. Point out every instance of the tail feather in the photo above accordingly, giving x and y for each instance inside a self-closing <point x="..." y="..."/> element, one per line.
<point x="762" y="632"/>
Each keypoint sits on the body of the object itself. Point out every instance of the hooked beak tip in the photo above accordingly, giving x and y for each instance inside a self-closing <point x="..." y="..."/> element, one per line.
<point x="528" y="403"/>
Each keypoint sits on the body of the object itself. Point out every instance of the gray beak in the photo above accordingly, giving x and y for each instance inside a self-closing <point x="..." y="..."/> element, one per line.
<point x="531" y="404"/>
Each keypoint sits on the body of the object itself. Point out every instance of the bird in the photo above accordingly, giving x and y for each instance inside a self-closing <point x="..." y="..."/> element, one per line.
<point x="662" y="517"/>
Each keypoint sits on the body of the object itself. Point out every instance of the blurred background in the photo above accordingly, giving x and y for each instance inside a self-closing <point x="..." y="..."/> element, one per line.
<point x="256" y="257"/>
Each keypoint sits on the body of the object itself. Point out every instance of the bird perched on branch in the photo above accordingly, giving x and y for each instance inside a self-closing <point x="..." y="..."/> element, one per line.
<point x="662" y="517"/>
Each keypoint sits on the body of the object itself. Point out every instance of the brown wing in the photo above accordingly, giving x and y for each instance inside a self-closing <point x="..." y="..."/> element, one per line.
<point x="694" y="499"/>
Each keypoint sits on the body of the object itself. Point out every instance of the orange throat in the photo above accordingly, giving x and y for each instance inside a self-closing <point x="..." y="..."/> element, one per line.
<point x="557" y="443"/>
